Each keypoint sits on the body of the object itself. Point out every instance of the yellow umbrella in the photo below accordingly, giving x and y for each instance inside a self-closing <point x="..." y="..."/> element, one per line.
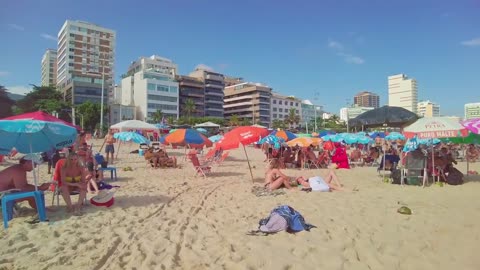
<point x="305" y="141"/>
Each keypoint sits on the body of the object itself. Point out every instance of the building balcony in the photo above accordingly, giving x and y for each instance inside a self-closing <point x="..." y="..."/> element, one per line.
<point x="217" y="86"/>
<point x="217" y="94"/>
<point x="214" y="77"/>
<point x="214" y="101"/>
<point x="246" y="104"/>
<point x="230" y="99"/>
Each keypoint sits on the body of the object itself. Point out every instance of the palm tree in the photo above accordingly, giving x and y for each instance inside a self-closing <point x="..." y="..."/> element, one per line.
<point x="292" y="117"/>
<point x="157" y="116"/>
<point x="189" y="108"/>
<point x="234" y="121"/>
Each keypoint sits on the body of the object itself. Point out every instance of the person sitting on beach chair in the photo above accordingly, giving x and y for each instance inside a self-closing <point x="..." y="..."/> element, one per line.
<point x="472" y="153"/>
<point x="15" y="177"/>
<point x="73" y="177"/>
<point x="165" y="161"/>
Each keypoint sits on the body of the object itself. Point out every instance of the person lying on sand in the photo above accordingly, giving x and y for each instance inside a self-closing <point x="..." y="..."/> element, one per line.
<point x="319" y="183"/>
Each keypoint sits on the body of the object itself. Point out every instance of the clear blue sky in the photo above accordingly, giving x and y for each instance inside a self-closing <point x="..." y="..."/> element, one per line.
<point x="335" y="48"/>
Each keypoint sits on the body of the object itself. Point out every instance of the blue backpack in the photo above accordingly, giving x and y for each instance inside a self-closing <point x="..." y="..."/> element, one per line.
<point x="295" y="220"/>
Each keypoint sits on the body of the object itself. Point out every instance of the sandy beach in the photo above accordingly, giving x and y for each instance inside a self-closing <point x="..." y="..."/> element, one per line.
<point x="169" y="219"/>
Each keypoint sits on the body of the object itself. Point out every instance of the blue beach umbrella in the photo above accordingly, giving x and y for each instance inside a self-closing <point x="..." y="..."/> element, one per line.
<point x="186" y="137"/>
<point x="393" y="136"/>
<point x="364" y="140"/>
<point x="130" y="137"/>
<point x="284" y="134"/>
<point x="273" y="140"/>
<point x="215" y="138"/>
<point x="202" y="130"/>
<point x="33" y="136"/>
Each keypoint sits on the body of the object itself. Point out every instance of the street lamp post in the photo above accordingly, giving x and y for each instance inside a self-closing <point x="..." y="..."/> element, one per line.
<point x="101" y="99"/>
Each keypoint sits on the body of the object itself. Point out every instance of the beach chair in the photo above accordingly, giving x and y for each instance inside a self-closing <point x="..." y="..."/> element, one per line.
<point x="209" y="156"/>
<point x="415" y="168"/>
<point x="202" y="169"/>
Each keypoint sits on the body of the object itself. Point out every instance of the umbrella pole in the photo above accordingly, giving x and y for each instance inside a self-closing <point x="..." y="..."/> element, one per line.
<point x="118" y="150"/>
<point x="248" y="161"/>
<point x="33" y="164"/>
<point x="433" y="164"/>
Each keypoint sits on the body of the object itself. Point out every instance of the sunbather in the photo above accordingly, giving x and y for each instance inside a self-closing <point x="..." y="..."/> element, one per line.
<point x="73" y="177"/>
<point x="274" y="178"/>
<point x="318" y="183"/>
<point x="15" y="177"/>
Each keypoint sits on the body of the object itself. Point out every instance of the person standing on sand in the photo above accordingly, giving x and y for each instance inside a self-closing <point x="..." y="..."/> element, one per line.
<point x="109" y="147"/>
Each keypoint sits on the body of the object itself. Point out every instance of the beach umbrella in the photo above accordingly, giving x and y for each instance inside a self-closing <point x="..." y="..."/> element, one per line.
<point x="128" y="136"/>
<point x="384" y="116"/>
<point x="161" y="126"/>
<point x="284" y="134"/>
<point x="376" y="134"/>
<point x="34" y="136"/>
<point x="472" y="124"/>
<point x="364" y="140"/>
<point x="303" y="135"/>
<point x="273" y="140"/>
<point x="393" y="136"/>
<point x="242" y="135"/>
<point x="435" y="127"/>
<point x="172" y="130"/>
<point x="215" y="138"/>
<point x="184" y="137"/>
<point x="202" y="130"/>
<point x="326" y="132"/>
<point x="305" y="142"/>
<point x="471" y="138"/>
<point x="41" y="116"/>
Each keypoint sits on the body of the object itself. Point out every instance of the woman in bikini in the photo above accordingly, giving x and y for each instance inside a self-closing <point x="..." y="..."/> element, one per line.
<point x="274" y="178"/>
<point x="73" y="178"/>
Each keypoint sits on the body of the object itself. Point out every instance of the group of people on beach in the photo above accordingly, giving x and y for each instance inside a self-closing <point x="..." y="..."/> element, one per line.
<point x="75" y="169"/>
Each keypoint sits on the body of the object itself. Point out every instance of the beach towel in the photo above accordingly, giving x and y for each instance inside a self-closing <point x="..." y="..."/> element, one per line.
<point x="294" y="221"/>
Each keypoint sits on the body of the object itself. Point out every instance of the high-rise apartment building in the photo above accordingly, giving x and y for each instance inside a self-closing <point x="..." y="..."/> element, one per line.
<point x="150" y="85"/>
<point x="214" y="86"/>
<point x="49" y="68"/>
<point x="281" y="106"/>
<point x="193" y="89"/>
<point x="428" y="109"/>
<point x="309" y="112"/>
<point x="248" y="101"/>
<point x="348" y="113"/>
<point x="472" y="110"/>
<point x="402" y="92"/>
<point x="367" y="99"/>
<point x="85" y="61"/>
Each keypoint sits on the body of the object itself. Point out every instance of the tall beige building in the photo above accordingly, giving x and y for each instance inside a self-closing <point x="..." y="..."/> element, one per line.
<point x="428" y="109"/>
<point x="49" y="68"/>
<point x="85" y="62"/>
<point x="402" y="92"/>
<point x="248" y="100"/>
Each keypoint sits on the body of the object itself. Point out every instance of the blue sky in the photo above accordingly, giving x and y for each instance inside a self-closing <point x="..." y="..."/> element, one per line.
<point x="333" y="48"/>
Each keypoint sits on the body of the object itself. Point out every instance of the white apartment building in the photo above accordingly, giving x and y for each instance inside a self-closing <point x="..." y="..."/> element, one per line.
<point x="402" y="92"/>
<point x="85" y="61"/>
<point x="49" y="68"/>
<point x="472" y="110"/>
<point x="150" y="85"/>
<point x="281" y="106"/>
<point x="309" y="111"/>
<point x="428" y="109"/>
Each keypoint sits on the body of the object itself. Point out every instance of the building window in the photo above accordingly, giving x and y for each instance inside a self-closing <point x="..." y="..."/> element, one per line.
<point x="274" y="115"/>
<point x="291" y="103"/>
<point x="173" y="89"/>
<point x="280" y="102"/>
<point x="151" y="86"/>
<point x="296" y="104"/>
<point x="297" y="111"/>
<point x="274" y="101"/>
<point x="274" y="109"/>
<point x="162" y="88"/>
<point x="280" y="110"/>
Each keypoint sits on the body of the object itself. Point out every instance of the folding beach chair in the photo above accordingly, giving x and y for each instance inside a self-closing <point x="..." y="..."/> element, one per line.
<point x="415" y="168"/>
<point x="202" y="169"/>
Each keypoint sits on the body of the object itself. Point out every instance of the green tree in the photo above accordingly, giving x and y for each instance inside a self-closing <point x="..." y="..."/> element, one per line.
<point x="292" y="118"/>
<point x="91" y="114"/>
<point x="245" y="122"/>
<point x="6" y="103"/>
<point x="189" y="108"/>
<point x="277" y="123"/>
<point x="234" y="121"/>
<point x="171" y="120"/>
<point x="44" y="98"/>
<point x="157" y="116"/>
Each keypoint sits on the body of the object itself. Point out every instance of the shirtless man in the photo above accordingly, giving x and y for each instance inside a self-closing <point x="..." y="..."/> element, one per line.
<point x="15" y="177"/>
<point x="109" y="148"/>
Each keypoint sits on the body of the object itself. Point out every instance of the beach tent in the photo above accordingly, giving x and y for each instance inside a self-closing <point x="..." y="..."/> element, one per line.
<point x="133" y="125"/>
<point x="384" y="116"/>
<point x="207" y="124"/>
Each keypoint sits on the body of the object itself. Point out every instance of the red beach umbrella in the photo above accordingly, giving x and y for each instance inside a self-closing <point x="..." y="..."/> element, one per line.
<point x="242" y="135"/>
<point x="42" y="116"/>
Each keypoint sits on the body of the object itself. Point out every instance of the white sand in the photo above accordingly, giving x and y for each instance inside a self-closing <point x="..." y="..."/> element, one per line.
<point x="167" y="219"/>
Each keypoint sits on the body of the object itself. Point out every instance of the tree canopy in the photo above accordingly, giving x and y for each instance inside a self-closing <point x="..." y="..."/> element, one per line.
<point x="44" y="98"/>
<point x="6" y="103"/>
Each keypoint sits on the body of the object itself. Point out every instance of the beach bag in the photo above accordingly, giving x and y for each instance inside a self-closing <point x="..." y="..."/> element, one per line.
<point x="455" y="177"/>
<point x="396" y="177"/>
<point x="282" y="218"/>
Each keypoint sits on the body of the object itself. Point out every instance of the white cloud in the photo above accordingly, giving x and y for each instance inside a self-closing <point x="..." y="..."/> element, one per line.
<point x="204" y="67"/>
<point x="352" y="59"/>
<point x="335" y="45"/>
<point x="340" y="50"/>
<point x="16" y="27"/>
<point x="4" y="73"/>
<point x="20" y="89"/>
<point x="48" y="37"/>
<point x="472" y="42"/>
